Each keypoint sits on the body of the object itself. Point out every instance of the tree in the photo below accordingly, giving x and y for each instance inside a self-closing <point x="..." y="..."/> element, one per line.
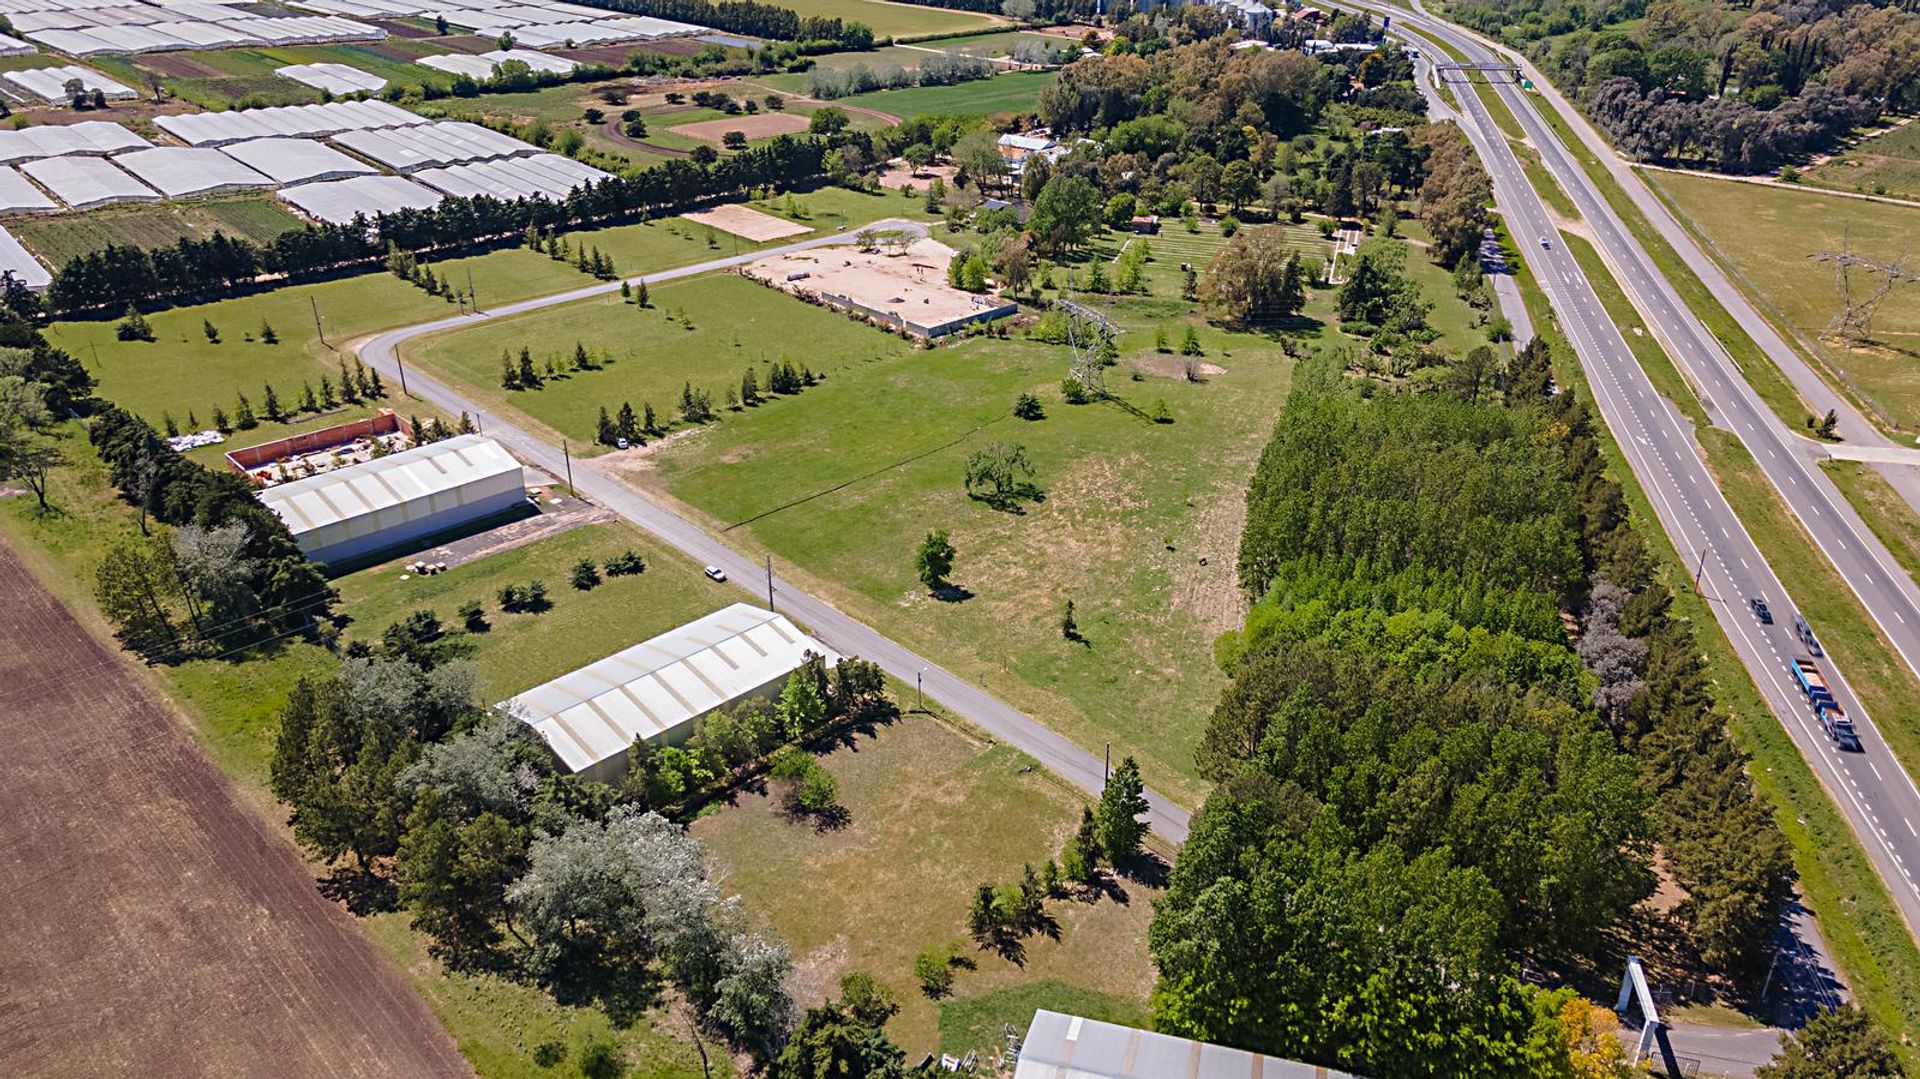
<point x="134" y="327"/>
<point x="603" y="430"/>
<point x="25" y="454"/>
<point x="270" y="404"/>
<point x="802" y="709"/>
<point x="627" y="426"/>
<point x="935" y="560"/>
<point x="1255" y="279"/>
<point x="1190" y="342"/>
<point x="830" y="120"/>
<point x="1000" y="474"/>
<point x="1066" y="214"/>
<point x="213" y="334"/>
<point x="1080" y="860"/>
<point x="640" y="293"/>
<point x="1028" y="407"/>
<point x="933" y="969"/>
<point x="734" y="140"/>
<point x="1122" y="802"/>
<point x="1839" y="1044"/>
<point x="835" y="1041"/>
<point x="977" y="155"/>
<point x="585" y="575"/>
<point x="983" y="915"/>
<point x="1120" y="210"/>
<point x="1069" y="628"/>
<point x="268" y="336"/>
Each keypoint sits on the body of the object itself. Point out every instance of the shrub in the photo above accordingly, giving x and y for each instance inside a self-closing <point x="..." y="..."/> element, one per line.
<point x="626" y="563"/>
<point x="933" y="969"/>
<point x="586" y="575"/>
<point x="474" y="616"/>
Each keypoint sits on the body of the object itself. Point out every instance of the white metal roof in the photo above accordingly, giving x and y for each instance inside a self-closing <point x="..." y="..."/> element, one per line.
<point x="334" y="78"/>
<point x="18" y="261"/>
<point x="295" y="161"/>
<point x="182" y="171"/>
<point x="58" y="140"/>
<point x="86" y="182"/>
<point x="49" y="83"/>
<point x="19" y="196"/>
<point x="1071" y="1047"/>
<point x="651" y="689"/>
<point x="340" y="201"/>
<point x="371" y="486"/>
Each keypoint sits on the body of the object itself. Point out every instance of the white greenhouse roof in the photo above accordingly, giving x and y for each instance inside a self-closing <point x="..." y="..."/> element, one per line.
<point x="482" y="66"/>
<point x="432" y="145"/>
<point x="295" y="161"/>
<point x="16" y="260"/>
<point x="339" y="201"/>
<point x="86" y="182"/>
<point x="59" y="140"/>
<point x="653" y="688"/>
<point x="547" y="176"/>
<point x="49" y="83"/>
<point x="333" y="78"/>
<point x="13" y="46"/>
<point x="284" y="121"/>
<point x="1071" y="1047"/>
<point x="182" y="171"/>
<point x="371" y="486"/>
<point x="19" y="196"/>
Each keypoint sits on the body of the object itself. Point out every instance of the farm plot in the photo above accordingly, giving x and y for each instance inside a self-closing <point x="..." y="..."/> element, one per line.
<point x="763" y="125"/>
<point x="155" y="925"/>
<point x="899" y="20"/>
<point x="1011" y="91"/>
<point x="1888" y="163"/>
<point x="57" y="238"/>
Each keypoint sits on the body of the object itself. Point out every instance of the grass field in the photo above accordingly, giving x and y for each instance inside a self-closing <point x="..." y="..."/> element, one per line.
<point x="1767" y="235"/>
<point x="56" y="238"/>
<point x="899" y="20"/>
<point x="931" y="814"/>
<point x="1886" y="164"/>
<point x="224" y="78"/>
<point x="1012" y="91"/>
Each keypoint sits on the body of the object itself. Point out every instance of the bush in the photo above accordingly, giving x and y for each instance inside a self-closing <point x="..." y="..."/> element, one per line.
<point x="1074" y="391"/>
<point x="626" y="563"/>
<point x="1028" y="408"/>
<point x="818" y="792"/>
<point x="933" y="969"/>
<point x="474" y="616"/>
<point x="585" y="575"/>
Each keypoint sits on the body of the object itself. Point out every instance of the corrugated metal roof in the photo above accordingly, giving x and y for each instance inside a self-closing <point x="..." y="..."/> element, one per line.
<point x="1071" y="1047"/>
<point x="646" y="691"/>
<point x="371" y="486"/>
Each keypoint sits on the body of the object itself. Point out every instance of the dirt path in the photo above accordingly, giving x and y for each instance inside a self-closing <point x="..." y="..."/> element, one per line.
<point x="150" y="923"/>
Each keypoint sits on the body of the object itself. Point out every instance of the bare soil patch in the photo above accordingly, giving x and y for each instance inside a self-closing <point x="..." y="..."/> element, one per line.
<point x="761" y="125"/>
<point x="899" y="174"/>
<point x="153" y="925"/>
<point x="1169" y="365"/>
<point x="750" y="224"/>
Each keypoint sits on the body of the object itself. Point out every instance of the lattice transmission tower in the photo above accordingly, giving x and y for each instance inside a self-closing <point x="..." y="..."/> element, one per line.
<point x="1854" y="320"/>
<point x="1089" y="333"/>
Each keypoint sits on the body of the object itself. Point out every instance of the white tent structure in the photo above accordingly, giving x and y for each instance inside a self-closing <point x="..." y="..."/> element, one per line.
<point x="1059" y="1046"/>
<point x="17" y="196"/>
<point x="547" y="176"/>
<point x="94" y="137"/>
<point x="333" y="78"/>
<point x="13" y="46"/>
<point x="365" y="508"/>
<point x="180" y="172"/>
<point x="284" y="121"/>
<point x="50" y="83"/>
<point x="656" y="689"/>
<point x="295" y="161"/>
<point x="483" y="66"/>
<point x="432" y="145"/>
<point x="86" y="182"/>
<point x="19" y="262"/>
<point x="339" y="201"/>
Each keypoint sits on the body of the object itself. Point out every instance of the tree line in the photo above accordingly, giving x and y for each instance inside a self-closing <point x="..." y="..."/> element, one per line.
<point x="1419" y="780"/>
<point x="754" y="19"/>
<point x="118" y="276"/>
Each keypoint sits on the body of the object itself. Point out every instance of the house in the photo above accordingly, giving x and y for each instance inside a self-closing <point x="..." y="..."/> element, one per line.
<point x="349" y="513"/>
<point x="1061" y="1046"/>
<point x="1146" y="225"/>
<point x="1017" y="150"/>
<point x="656" y="690"/>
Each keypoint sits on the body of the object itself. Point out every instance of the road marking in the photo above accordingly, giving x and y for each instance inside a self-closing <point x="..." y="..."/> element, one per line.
<point x="1876" y="772"/>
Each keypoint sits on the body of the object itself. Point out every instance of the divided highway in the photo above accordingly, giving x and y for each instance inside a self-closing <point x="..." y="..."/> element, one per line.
<point x="1875" y="794"/>
<point x="845" y="634"/>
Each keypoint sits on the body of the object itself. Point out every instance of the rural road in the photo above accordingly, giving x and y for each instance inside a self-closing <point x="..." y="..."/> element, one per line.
<point x="844" y="633"/>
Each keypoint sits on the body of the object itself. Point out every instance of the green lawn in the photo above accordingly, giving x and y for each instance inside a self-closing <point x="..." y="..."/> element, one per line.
<point x="931" y="814"/>
<point x="1012" y="91"/>
<point x="898" y="20"/>
<point x="1767" y="235"/>
<point x="1886" y="164"/>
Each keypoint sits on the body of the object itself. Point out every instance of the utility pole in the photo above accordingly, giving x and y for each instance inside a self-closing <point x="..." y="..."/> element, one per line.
<point x="1700" y="569"/>
<point x="919" y="699"/>
<point x="402" y="365"/>
<point x="769" y="582"/>
<point x="317" y="328"/>
<point x="568" y="457"/>
<point x="1106" y="772"/>
<point x="473" y="298"/>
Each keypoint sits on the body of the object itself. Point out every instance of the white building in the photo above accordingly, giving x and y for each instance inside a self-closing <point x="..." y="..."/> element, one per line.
<point x="362" y="509"/>
<point x="656" y="689"/>
<point x="1072" y="1047"/>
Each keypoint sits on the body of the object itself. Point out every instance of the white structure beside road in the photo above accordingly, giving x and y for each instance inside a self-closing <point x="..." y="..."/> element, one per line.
<point x="656" y="689"/>
<point x="365" y="508"/>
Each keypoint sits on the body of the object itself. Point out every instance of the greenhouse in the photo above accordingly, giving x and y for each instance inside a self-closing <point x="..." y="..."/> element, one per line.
<point x="19" y="262"/>
<point x="17" y="196"/>
<point x="548" y="176"/>
<point x="86" y="182"/>
<point x="284" y="121"/>
<point x="483" y="65"/>
<point x="50" y="83"/>
<point x="95" y="137"/>
<point x="339" y="201"/>
<point x="432" y="145"/>
<point x="333" y="78"/>
<point x="182" y="171"/>
<point x="295" y="161"/>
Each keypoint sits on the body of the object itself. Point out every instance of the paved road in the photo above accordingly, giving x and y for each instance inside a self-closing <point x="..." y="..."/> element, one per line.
<point x="845" y="634"/>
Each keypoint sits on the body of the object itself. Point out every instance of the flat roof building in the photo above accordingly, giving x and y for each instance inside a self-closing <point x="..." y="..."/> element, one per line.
<point x="362" y="509"/>
<point x="1070" y="1047"/>
<point x="656" y="689"/>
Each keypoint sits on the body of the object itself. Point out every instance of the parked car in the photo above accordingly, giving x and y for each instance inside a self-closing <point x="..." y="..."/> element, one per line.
<point x="715" y="573"/>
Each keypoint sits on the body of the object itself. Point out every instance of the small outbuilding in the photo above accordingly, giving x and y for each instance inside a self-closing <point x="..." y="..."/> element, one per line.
<point x="363" y="509"/>
<point x="655" y="690"/>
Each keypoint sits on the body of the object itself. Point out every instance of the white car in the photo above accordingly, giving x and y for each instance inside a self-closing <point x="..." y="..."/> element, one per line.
<point x="715" y="573"/>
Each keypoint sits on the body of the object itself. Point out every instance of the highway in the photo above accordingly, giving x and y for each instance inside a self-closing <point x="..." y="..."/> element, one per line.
<point x="844" y="634"/>
<point x="1876" y="796"/>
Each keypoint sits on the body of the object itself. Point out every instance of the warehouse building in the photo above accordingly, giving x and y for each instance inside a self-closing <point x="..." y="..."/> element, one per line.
<point x="1072" y="1047"/>
<point x="362" y="509"/>
<point x="656" y="689"/>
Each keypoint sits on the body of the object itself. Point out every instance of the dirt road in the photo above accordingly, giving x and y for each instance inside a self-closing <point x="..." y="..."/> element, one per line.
<point x="150" y="923"/>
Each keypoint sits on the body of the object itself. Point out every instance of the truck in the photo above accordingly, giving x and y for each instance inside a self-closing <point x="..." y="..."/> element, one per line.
<point x="1833" y="719"/>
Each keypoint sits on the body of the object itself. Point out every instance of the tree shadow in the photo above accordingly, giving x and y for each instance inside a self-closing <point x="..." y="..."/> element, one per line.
<point x="1146" y="869"/>
<point x="948" y="592"/>
<point x="626" y="992"/>
<point x="362" y="891"/>
<point x="1010" y="500"/>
